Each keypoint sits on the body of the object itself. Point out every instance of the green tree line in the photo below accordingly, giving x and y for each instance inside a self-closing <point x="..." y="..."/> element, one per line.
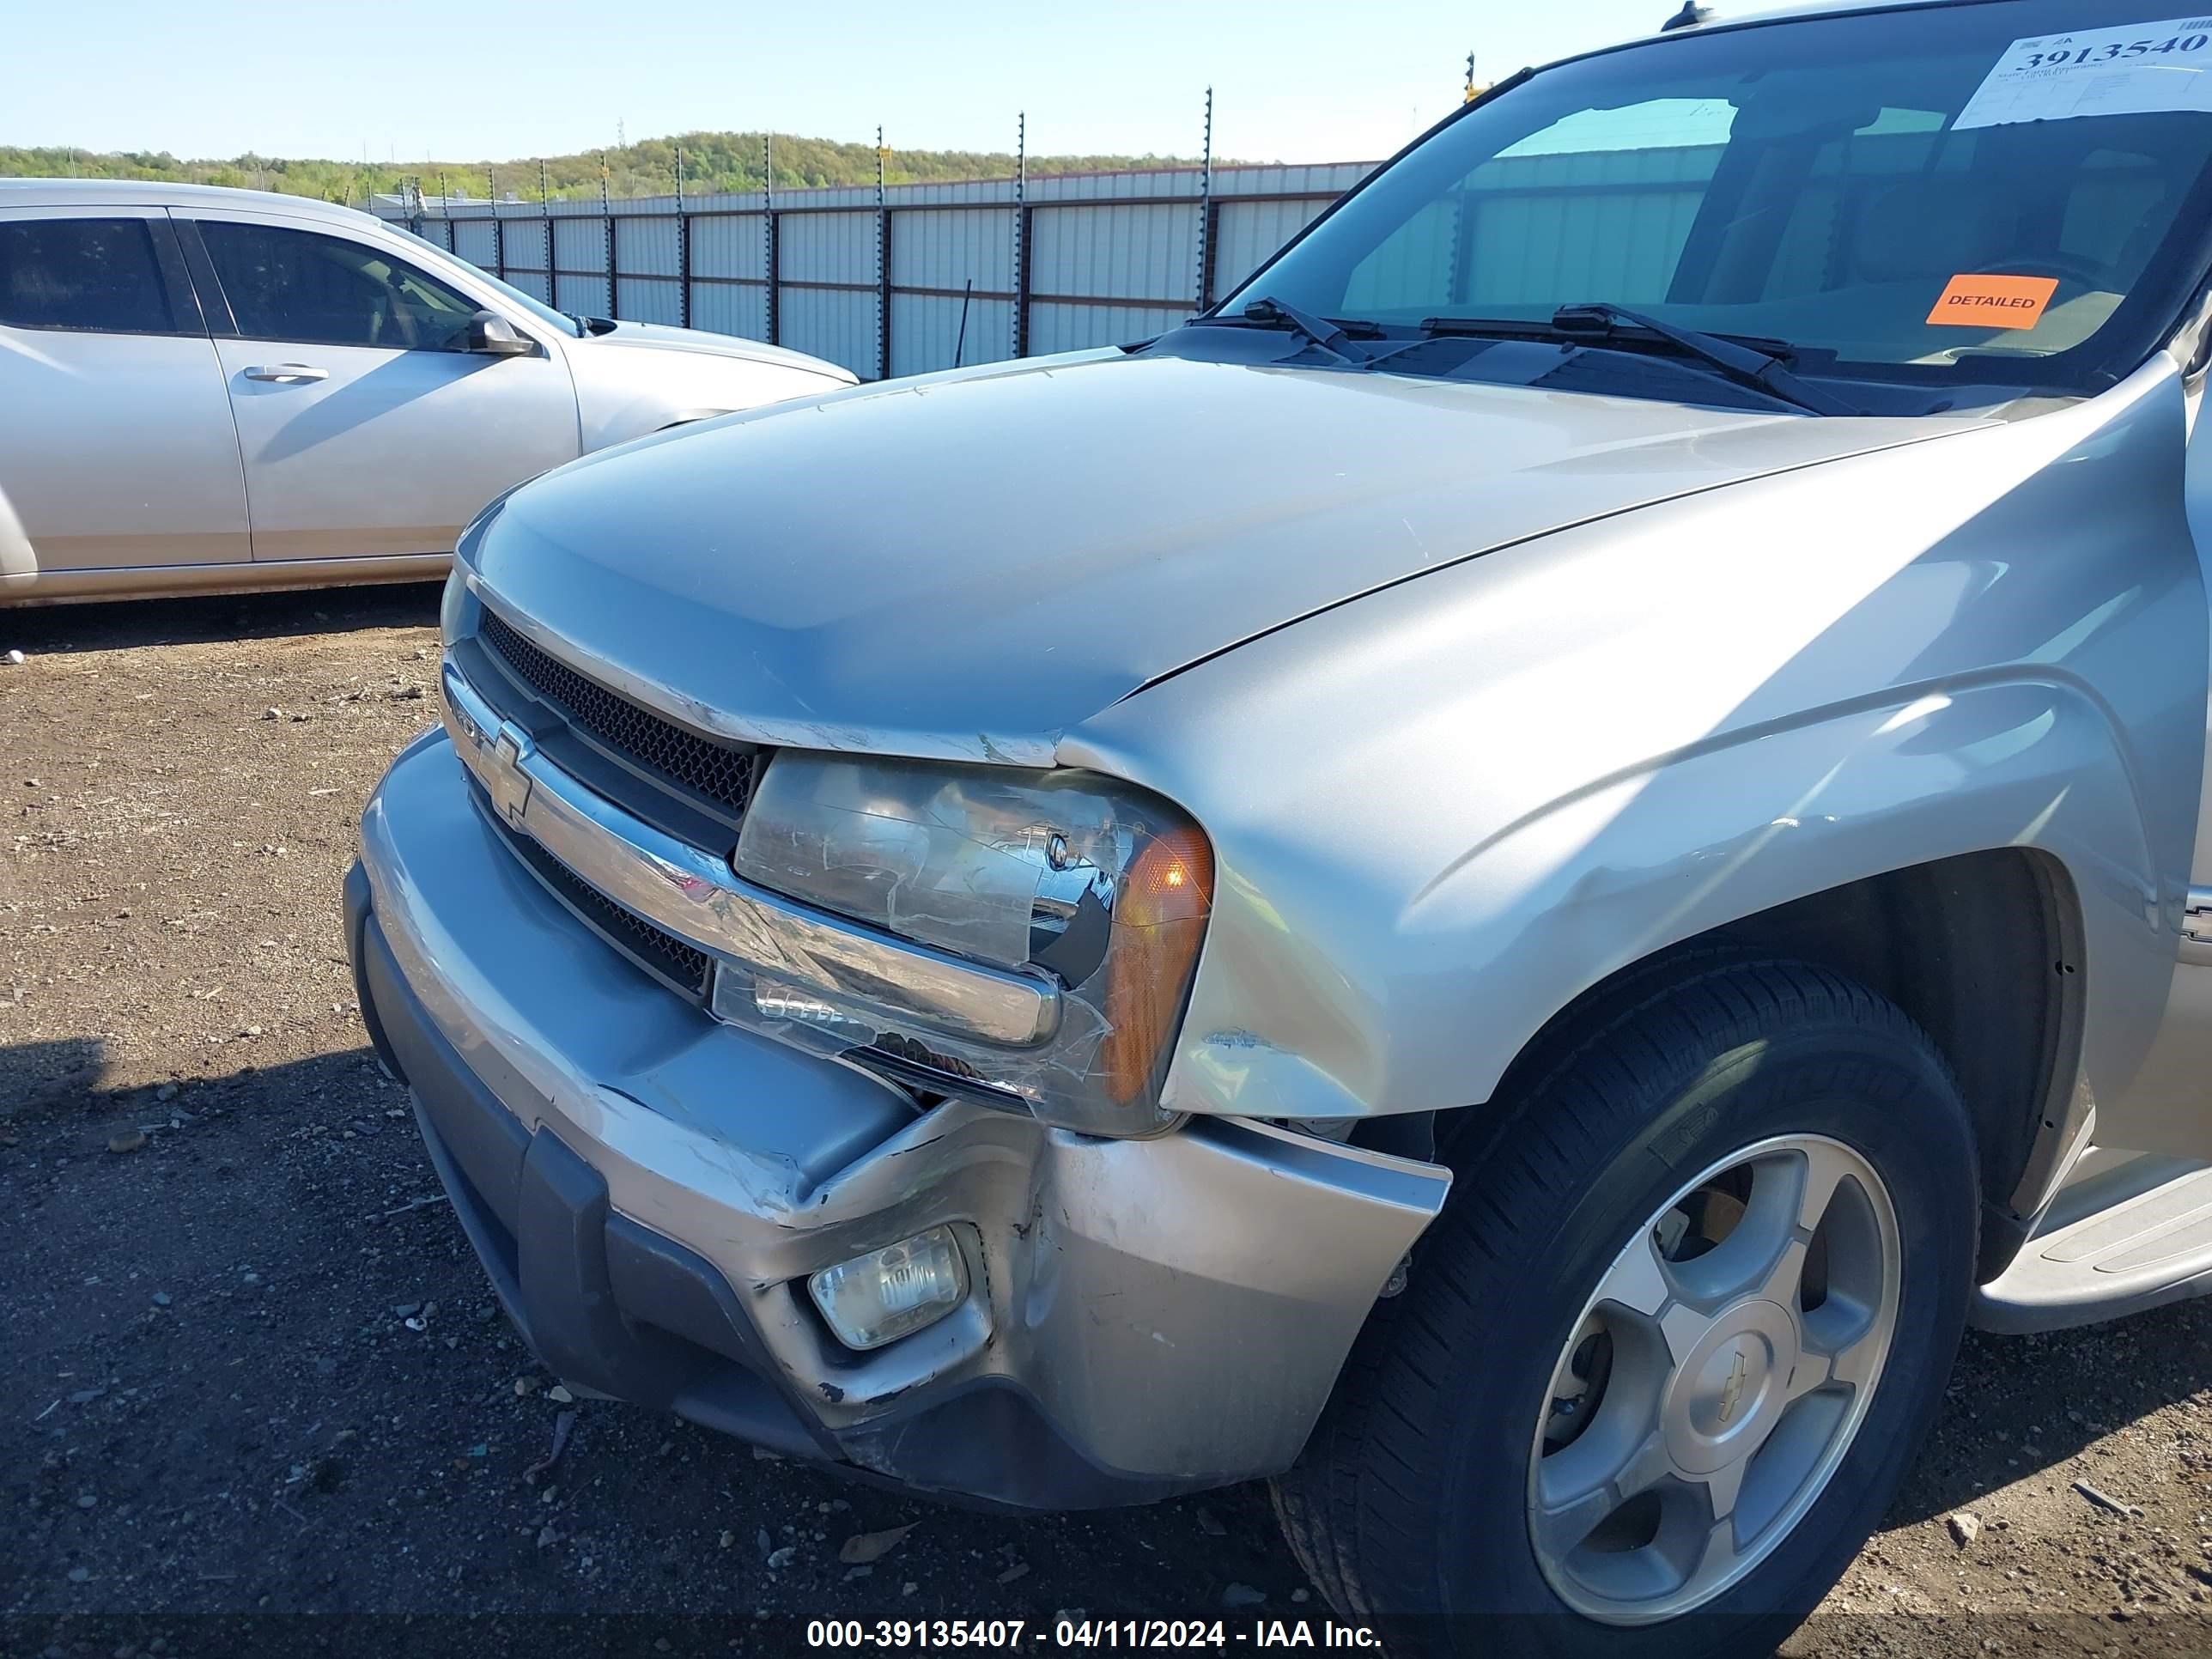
<point x="713" y="161"/>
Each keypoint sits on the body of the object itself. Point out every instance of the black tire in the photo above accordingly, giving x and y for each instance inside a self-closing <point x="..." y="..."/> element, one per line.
<point x="1408" y="1508"/>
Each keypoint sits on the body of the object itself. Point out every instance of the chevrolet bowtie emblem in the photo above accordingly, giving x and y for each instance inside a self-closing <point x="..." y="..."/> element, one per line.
<point x="1732" y="1390"/>
<point x="504" y="780"/>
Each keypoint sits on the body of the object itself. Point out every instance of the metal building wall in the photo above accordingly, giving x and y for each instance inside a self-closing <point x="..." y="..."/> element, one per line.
<point x="1059" y="326"/>
<point x="1412" y="267"/>
<point x="528" y="247"/>
<point x="648" y="286"/>
<point x="951" y="287"/>
<point x="729" y="273"/>
<point x="473" y="240"/>
<point x="1104" y="273"/>
<point x="1247" y="233"/>
<point x="1541" y="226"/>
<point x="1531" y="227"/>
<point x="827" y="292"/>
<point x="1103" y="258"/>
<point x="580" y="265"/>
<point x="1106" y="258"/>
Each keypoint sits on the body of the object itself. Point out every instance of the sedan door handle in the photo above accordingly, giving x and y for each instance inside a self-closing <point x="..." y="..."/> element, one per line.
<point x="283" y="373"/>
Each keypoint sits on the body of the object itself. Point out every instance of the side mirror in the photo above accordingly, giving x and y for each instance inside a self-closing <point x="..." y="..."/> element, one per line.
<point x="2192" y="344"/>
<point x="492" y="335"/>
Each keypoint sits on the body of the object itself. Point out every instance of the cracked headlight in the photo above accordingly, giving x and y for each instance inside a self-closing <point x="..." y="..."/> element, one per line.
<point x="1091" y="889"/>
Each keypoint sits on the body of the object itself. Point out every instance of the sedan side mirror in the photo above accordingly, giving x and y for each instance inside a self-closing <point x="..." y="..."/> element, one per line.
<point x="492" y="335"/>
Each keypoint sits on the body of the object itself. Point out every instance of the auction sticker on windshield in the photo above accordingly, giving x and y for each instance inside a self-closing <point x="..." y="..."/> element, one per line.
<point x="1994" y="301"/>
<point x="2137" y="70"/>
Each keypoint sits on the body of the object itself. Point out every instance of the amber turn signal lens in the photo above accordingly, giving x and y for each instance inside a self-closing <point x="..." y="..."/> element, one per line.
<point x="1159" y="922"/>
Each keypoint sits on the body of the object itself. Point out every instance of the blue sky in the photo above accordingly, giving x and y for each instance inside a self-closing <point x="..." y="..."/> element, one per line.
<point x="1293" y="80"/>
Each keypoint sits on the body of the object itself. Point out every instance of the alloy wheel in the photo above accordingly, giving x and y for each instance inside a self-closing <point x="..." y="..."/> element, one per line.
<point x="1714" y="1380"/>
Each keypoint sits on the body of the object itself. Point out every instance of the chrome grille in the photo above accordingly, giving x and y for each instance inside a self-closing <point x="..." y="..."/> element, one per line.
<point x="659" y="953"/>
<point x="723" y="773"/>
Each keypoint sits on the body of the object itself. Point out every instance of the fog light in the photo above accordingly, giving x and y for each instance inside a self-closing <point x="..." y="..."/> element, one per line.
<point x="875" y="1298"/>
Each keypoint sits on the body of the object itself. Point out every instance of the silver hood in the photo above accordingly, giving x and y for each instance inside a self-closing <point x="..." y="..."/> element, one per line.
<point x="968" y="566"/>
<point x="660" y="337"/>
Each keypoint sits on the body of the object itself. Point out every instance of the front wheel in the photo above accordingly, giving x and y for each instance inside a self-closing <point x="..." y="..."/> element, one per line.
<point x="1664" y="1357"/>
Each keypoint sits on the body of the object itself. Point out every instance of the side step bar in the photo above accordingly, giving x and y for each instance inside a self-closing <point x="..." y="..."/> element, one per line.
<point x="2126" y="1232"/>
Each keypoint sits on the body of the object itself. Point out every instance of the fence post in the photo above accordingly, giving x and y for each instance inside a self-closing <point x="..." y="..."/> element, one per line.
<point x="883" y="269"/>
<point x="498" y="230"/>
<point x="607" y="219"/>
<point x="1206" y="207"/>
<point x="769" y="250"/>
<point x="546" y="218"/>
<point x="683" y="248"/>
<point x="1021" y="235"/>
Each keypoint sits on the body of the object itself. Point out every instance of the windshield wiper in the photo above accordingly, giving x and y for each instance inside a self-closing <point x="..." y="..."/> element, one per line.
<point x="1600" y="319"/>
<point x="1330" y="336"/>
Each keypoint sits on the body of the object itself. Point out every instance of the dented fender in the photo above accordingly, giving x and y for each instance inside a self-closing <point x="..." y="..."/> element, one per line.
<point x="1442" y="811"/>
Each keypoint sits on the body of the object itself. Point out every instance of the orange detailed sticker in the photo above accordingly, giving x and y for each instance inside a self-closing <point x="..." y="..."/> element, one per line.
<point x="1994" y="301"/>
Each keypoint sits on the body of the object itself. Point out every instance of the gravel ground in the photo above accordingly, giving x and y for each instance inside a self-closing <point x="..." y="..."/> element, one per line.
<point x="249" y="1371"/>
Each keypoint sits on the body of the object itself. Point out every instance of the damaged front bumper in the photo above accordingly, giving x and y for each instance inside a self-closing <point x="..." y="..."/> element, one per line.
<point x="650" y="1189"/>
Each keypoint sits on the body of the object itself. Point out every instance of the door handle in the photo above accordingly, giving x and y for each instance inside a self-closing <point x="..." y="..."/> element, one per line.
<point x="285" y="372"/>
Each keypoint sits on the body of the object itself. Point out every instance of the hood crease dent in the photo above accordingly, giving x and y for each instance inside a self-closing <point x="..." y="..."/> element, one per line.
<point x="968" y="567"/>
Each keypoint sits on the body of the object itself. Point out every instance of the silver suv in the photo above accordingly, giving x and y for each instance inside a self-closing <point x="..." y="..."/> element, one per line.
<point x="1502" y="882"/>
<point x="223" y="389"/>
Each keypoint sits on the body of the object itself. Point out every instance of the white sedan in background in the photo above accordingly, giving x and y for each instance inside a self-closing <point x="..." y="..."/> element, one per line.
<point x="206" y="389"/>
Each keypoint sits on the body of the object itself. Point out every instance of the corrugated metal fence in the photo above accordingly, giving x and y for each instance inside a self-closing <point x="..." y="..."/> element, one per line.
<point x="978" y="272"/>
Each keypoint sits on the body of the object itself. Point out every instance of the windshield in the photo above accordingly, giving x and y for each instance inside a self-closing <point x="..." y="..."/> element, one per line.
<point x="535" y="306"/>
<point x="2011" y="193"/>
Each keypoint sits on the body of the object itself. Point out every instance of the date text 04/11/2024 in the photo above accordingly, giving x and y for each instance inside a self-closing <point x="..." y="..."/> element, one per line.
<point x="1078" y="1632"/>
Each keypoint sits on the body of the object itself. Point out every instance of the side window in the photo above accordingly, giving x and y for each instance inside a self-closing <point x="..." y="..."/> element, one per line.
<point x="97" y="275"/>
<point x="325" y="290"/>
